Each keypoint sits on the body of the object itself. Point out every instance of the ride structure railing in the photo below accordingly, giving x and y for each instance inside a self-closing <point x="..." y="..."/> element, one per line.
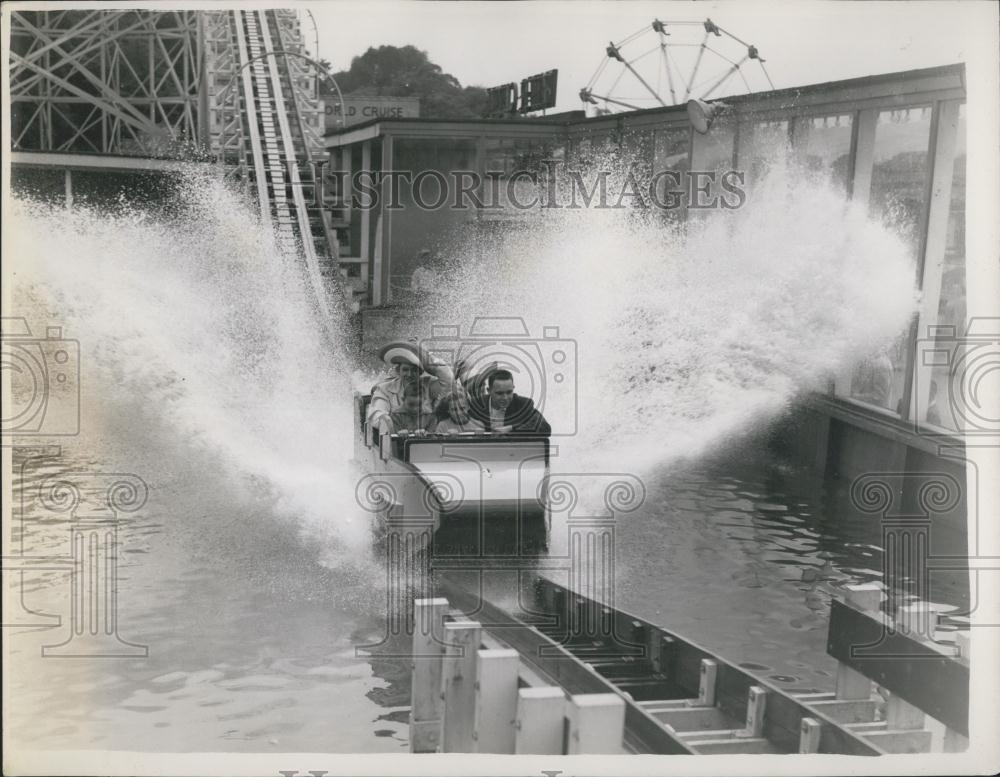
<point x="263" y="137"/>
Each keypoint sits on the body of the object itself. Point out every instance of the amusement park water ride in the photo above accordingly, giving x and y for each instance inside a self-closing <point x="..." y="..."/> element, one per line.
<point x="487" y="487"/>
<point x="460" y="482"/>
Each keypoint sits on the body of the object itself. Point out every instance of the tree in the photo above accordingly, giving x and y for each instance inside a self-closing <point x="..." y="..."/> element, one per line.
<point x="391" y="71"/>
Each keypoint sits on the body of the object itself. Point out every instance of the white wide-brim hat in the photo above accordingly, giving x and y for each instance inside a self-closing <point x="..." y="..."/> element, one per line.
<point x="399" y="352"/>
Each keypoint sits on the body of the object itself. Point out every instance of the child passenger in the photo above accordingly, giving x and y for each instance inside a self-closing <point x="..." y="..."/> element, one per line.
<point x="451" y="416"/>
<point x="409" y="417"/>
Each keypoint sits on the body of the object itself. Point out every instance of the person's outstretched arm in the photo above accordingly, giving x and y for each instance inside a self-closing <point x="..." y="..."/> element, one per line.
<point x="436" y="367"/>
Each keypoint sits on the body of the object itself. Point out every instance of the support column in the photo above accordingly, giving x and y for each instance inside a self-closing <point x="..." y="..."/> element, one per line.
<point x="860" y="191"/>
<point x="346" y="157"/>
<point x="383" y="280"/>
<point x="366" y="222"/>
<point x="937" y="239"/>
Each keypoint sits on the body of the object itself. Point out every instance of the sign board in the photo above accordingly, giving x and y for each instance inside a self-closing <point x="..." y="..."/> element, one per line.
<point x="359" y="109"/>
<point x="502" y="99"/>
<point x="538" y="92"/>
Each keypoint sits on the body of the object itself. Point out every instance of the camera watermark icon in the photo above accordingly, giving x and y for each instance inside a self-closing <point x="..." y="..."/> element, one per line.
<point x="20" y="559"/>
<point x="44" y="372"/>
<point x="589" y="505"/>
<point x="957" y="381"/>
<point x="544" y="368"/>
<point x="94" y="503"/>
<point x="412" y="508"/>
<point x="407" y="509"/>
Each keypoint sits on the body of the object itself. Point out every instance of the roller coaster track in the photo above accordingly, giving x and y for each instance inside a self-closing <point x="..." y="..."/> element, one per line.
<point x="279" y="158"/>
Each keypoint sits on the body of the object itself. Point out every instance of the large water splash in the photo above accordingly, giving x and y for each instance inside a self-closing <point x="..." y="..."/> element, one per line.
<point x="689" y="336"/>
<point x="199" y="337"/>
<point x="686" y="337"/>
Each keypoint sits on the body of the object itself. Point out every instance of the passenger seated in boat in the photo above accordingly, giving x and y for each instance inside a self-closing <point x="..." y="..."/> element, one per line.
<point x="474" y="383"/>
<point x="451" y="416"/>
<point x="411" y="417"/>
<point x="406" y="362"/>
<point x="501" y="410"/>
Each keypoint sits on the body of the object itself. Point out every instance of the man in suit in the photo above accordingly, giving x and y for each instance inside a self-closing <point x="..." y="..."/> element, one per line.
<point x="501" y="410"/>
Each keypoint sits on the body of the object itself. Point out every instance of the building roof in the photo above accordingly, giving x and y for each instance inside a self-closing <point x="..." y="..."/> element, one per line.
<point x="943" y="79"/>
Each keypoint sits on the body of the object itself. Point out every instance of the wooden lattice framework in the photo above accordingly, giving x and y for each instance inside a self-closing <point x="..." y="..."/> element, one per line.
<point x="303" y="77"/>
<point x="226" y="111"/>
<point x="108" y="82"/>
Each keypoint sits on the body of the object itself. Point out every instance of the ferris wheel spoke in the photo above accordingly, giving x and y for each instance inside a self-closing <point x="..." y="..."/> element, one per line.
<point x="725" y="77"/>
<point x="679" y="70"/>
<point x="768" y="77"/>
<point x="697" y="64"/>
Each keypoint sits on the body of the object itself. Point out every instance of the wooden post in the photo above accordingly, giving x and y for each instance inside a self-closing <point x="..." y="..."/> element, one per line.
<point x="850" y="683"/>
<point x="481" y="172"/>
<point x="917" y="619"/>
<point x="69" y="188"/>
<point x="366" y="219"/>
<point x="385" y="217"/>
<point x="578" y="618"/>
<point x="864" y="596"/>
<point x="427" y="704"/>
<point x="706" y="684"/>
<point x="458" y="686"/>
<point x="376" y="280"/>
<point x="496" y="701"/>
<point x="607" y="624"/>
<point x="955" y="742"/>
<point x="809" y="734"/>
<point x="901" y="715"/>
<point x="962" y="643"/>
<point x="561" y="609"/>
<point x="660" y="647"/>
<point x="346" y="158"/>
<point x="540" y="718"/>
<point x="756" y="705"/>
<point x="596" y="723"/>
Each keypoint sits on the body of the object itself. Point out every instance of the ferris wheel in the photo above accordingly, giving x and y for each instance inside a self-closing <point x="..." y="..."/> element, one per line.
<point x="685" y="68"/>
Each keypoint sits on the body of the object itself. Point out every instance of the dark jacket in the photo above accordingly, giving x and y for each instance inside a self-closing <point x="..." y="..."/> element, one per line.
<point x="521" y="415"/>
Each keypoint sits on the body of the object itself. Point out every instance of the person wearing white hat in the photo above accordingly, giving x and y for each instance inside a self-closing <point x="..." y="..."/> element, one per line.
<point x="407" y="362"/>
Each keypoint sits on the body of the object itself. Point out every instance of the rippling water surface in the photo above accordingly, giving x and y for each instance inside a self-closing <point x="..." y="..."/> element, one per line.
<point x="252" y="638"/>
<point x="743" y="554"/>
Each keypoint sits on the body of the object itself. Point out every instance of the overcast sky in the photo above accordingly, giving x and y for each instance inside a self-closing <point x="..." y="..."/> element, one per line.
<point x="488" y="43"/>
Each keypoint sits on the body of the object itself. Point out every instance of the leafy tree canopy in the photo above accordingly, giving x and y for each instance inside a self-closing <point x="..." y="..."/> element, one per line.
<point x="392" y="71"/>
